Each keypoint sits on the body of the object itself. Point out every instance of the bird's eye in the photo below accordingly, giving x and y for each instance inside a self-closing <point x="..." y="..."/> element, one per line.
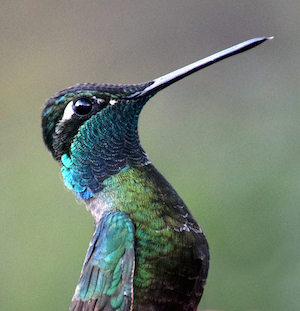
<point x="82" y="106"/>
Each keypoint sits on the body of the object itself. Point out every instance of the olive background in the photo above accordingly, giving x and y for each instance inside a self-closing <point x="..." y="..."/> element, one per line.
<point x="227" y="138"/>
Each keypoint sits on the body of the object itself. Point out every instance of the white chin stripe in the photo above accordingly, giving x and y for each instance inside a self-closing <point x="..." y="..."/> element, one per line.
<point x="68" y="112"/>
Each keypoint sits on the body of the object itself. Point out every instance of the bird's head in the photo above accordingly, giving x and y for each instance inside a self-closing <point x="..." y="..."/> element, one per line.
<point x="65" y="113"/>
<point x="91" y="129"/>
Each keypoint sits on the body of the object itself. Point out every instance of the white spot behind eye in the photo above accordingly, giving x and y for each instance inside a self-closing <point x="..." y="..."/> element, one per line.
<point x="68" y="112"/>
<point x="112" y="102"/>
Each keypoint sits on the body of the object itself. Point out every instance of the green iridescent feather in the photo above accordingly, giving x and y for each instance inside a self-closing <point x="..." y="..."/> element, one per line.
<point x="148" y="253"/>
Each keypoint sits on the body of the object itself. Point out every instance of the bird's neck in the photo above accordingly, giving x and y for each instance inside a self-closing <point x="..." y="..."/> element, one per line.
<point x="132" y="190"/>
<point x="105" y="145"/>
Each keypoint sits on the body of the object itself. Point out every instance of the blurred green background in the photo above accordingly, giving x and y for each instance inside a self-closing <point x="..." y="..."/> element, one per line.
<point x="227" y="138"/>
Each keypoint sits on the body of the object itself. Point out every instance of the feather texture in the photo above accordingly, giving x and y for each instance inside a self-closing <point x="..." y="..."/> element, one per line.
<point x="106" y="281"/>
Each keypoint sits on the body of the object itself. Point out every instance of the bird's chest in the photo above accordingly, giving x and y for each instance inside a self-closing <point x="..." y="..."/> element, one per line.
<point x="168" y="242"/>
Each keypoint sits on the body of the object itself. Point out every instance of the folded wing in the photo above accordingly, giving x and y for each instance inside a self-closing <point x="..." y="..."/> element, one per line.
<point x="106" y="281"/>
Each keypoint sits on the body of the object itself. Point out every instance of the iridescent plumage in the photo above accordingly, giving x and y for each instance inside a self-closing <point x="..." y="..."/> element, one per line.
<point x="147" y="251"/>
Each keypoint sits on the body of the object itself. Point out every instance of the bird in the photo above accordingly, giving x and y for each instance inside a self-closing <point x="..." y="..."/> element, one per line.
<point x="147" y="251"/>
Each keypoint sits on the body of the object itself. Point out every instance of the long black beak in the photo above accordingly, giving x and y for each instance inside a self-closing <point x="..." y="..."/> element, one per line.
<point x="170" y="78"/>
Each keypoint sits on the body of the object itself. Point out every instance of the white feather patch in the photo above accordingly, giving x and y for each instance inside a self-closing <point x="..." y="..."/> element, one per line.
<point x="68" y="113"/>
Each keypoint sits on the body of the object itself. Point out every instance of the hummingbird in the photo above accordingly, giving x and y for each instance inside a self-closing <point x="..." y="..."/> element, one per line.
<point x="147" y="251"/>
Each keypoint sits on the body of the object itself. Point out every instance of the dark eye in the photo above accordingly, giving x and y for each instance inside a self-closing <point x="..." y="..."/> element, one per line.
<point x="82" y="106"/>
